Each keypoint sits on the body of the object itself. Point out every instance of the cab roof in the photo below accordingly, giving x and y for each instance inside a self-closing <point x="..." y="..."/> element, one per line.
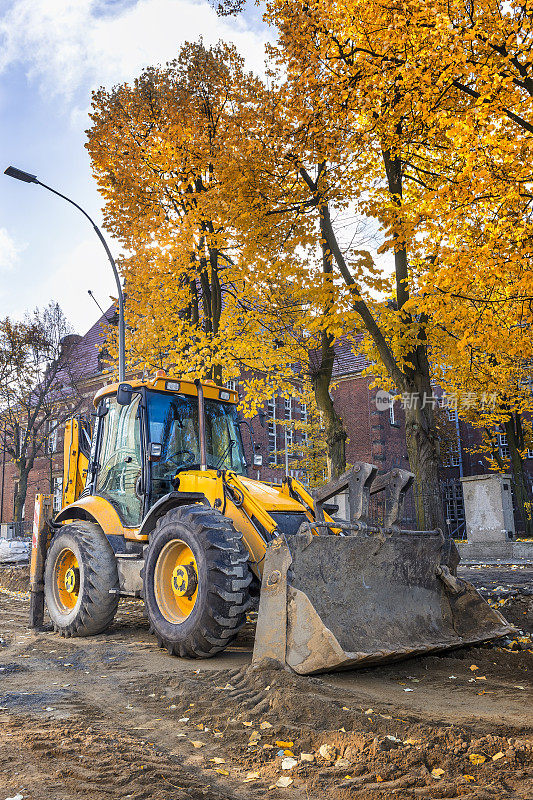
<point x="173" y="385"/>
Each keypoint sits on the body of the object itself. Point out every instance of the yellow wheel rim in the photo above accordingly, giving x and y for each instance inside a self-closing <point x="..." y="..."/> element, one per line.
<point x="66" y="581"/>
<point x="176" y="581"/>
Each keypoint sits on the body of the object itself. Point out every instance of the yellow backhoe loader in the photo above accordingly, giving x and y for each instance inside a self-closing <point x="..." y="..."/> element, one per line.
<point x="157" y="504"/>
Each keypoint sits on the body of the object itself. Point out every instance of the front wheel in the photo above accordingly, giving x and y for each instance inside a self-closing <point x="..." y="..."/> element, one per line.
<point x="196" y="578"/>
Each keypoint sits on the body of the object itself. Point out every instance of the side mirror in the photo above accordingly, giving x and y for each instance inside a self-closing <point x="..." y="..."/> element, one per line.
<point x="124" y="394"/>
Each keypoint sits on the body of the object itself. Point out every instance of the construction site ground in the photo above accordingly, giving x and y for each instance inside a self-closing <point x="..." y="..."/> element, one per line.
<point x="114" y="716"/>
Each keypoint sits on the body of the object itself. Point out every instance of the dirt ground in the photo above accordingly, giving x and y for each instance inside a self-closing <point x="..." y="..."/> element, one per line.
<point x="114" y="717"/>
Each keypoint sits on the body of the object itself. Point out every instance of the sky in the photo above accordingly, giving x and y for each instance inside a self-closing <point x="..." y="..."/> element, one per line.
<point x="53" y="53"/>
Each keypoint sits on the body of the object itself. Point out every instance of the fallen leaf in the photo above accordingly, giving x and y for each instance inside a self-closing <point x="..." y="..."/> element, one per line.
<point x="281" y="783"/>
<point x="251" y="776"/>
<point x="248" y="724"/>
<point x="498" y="756"/>
<point x="473" y="667"/>
<point x="379" y="779"/>
<point x="217" y="760"/>
<point x="218" y="734"/>
<point x="196" y="743"/>
<point x="288" y="753"/>
<point x="342" y="762"/>
<point x="411" y="741"/>
<point x="284" y="745"/>
<point x="469" y="777"/>
<point x="369" y="711"/>
<point x="265" y="725"/>
<point x="221" y="771"/>
<point x="481" y="677"/>
<point x="307" y="757"/>
<point x="288" y="763"/>
<point x="327" y="751"/>
<point x="476" y="758"/>
<point x="437" y="772"/>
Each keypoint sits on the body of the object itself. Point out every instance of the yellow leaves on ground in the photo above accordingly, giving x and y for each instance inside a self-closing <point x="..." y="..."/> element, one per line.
<point x="473" y="667"/>
<point x="437" y="773"/>
<point x="497" y="756"/>
<point x="285" y="745"/>
<point x="197" y="743"/>
<point x="477" y="758"/>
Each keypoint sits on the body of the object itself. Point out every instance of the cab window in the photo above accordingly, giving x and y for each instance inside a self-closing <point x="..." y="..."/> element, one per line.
<point x="120" y="461"/>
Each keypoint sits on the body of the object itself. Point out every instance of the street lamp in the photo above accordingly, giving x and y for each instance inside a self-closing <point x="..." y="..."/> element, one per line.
<point x="27" y="177"/>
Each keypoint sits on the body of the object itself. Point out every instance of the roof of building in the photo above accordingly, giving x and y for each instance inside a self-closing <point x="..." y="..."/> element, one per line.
<point x="349" y="358"/>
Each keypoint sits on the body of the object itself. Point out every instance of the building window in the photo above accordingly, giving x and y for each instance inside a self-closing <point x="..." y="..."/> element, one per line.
<point x="57" y="492"/>
<point x="22" y="437"/>
<point x="451" y="457"/>
<point x="290" y="439"/>
<point x="303" y="413"/>
<point x="503" y="446"/>
<point x="392" y="415"/>
<point x="288" y="408"/>
<point x="272" y="432"/>
<point x="529" y="454"/>
<point x="232" y="385"/>
<point x="51" y="441"/>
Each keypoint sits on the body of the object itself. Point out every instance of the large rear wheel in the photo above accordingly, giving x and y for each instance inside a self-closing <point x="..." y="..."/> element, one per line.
<point x="196" y="578"/>
<point x="80" y="570"/>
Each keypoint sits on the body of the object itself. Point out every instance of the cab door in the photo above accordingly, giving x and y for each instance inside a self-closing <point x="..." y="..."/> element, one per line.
<point x="120" y="463"/>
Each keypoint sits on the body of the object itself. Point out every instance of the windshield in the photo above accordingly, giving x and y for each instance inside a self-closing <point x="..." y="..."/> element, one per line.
<point x="173" y="422"/>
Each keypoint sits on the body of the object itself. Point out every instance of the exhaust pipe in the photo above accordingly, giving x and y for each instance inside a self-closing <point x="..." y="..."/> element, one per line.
<point x="201" y="425"/>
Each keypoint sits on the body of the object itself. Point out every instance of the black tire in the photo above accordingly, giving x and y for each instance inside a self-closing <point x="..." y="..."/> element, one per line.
<point x="95" y="607"/>
<point x="223" y="578"/>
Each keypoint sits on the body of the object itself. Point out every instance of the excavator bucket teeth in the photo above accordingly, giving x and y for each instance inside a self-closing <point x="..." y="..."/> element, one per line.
<point x="337" y="602"/>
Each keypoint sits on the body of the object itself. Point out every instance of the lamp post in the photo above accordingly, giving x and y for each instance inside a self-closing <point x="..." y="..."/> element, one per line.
<point x="26" y="177"/>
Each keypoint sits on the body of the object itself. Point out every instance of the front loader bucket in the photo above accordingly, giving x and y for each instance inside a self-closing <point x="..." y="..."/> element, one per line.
<point x="332" y="602"/>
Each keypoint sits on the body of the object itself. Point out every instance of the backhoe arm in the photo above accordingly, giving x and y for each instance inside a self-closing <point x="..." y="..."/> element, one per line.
<point x="76" y="459"/>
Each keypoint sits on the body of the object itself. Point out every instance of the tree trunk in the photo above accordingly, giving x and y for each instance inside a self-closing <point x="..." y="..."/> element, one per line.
<point x="423" y="452"/>
<point x="20" y="495"/>
<point x="333" y="425"/>
<point x="513" y="429"/>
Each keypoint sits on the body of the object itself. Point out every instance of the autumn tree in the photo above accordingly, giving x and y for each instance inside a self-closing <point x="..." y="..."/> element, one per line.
<point x="207" y="293"/>
<point x="40" y="389"/>
<point x="439" y="99"/>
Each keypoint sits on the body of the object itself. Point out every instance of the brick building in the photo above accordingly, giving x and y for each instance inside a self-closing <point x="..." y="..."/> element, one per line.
<point x="376" y="436"/>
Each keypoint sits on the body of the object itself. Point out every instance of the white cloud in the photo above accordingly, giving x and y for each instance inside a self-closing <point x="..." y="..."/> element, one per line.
<point x="9" y="251"/>
<point x="82" y="268"/>
<point x="66" y="45"/>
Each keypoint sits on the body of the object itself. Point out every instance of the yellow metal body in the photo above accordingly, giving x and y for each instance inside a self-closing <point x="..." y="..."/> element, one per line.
<point x="237" y="497"/>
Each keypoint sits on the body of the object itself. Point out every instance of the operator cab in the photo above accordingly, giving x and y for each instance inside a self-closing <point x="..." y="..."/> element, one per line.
<point x="147" y="432"/>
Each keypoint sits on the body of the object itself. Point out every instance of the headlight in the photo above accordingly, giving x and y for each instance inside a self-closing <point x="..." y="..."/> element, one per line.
<point x="172" y="386"/>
